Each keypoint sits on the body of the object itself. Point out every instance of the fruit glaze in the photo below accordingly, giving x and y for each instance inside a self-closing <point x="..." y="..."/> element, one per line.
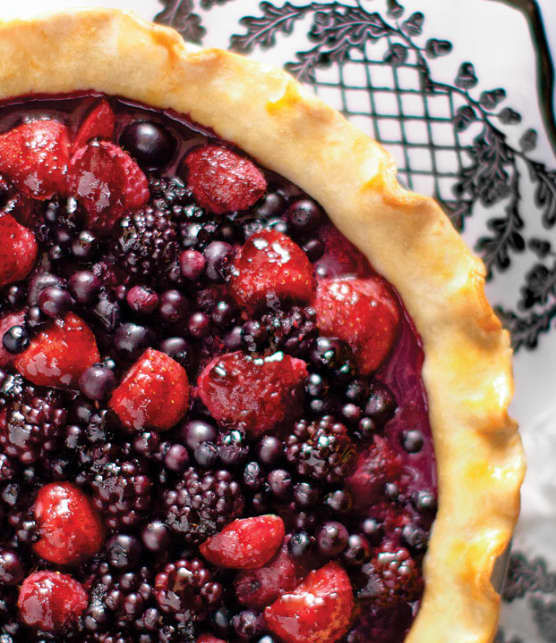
<point x="213" y="425"/>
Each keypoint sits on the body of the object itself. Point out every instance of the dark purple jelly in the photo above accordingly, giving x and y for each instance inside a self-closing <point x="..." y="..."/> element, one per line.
<point x="347" y="462"/>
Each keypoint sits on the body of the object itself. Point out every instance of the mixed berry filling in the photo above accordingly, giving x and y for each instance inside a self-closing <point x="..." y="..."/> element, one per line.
<point x="213" y="425"/>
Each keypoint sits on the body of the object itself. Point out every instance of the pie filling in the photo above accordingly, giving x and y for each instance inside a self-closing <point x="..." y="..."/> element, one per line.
<point x="213" y="425"/>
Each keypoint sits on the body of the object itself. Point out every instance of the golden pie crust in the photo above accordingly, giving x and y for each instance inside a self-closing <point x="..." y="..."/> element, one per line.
<point x="467" y="370"/>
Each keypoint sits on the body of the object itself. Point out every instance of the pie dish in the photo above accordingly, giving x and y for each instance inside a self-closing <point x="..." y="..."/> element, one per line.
<point x="199" y="364"/>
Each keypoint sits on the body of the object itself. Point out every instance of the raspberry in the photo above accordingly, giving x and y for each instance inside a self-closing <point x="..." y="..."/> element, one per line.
<point x="317" y="610"/>
<point x="223" y="181"/>
<point x="35" y="157"/>
<point x="51" y="601"/>
<point x="31" y="424"/>
<point x="122" y="492"/>
<point x="146" y="244"/>
<point x="187" y="586"/>
<point x="254" y="394"/>
<point x="70" y="529"/>
<point x="362" y="312"/>
<point x="107" y="182"/>
<point x="322" y="450"/>
<point x="202" y="503"/>
<point x="270" y="265"/>
<point x="246" y="543"/>
<point x="18" y="250"/>
<point x="99" y="123"/>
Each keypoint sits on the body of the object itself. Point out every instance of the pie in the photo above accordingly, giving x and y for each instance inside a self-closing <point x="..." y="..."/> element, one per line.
<point x="250" y="388"/>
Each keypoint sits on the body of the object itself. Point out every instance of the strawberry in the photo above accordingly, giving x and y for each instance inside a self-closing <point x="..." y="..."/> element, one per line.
<point x="209" y="638"/>
<point x="392" y="577"/>
<point x="60" y="354"/>
<point x="375" y="466"/>
<point x="51" y="601"/>
<point x="340" y="256"/>
<point x="99" y="123"/>
<point x="107" y="182"/>
<point x="361" y="312"/>
<point x="223" y="181"/>
<point x="246" y="543"/>
<point x="6" y="322"/>
<point x="317" y="611"/>
<point x="257" y="588"/>
<point x="69" y="527"/>
<point x="270" y="264"/>
<point x="154" y="393"/>
<point x="254" y="394"/>
<point x="35" y="157"/>
<point x="18" y="250"/>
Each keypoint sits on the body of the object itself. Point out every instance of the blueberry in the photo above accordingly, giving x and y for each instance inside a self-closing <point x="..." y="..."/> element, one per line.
<point x="223" y="313"/>
<point x="269" y="450"/>
<point x="253" y="476"/>
<point x="233" y="448"/>
<point x="331" y="354"/>
<point x="142" y="300"/>
<point x="84" y="245"/>
<point x="339" y="501"/>
<point x="305" y="494"/>
<point x="39" y="283"/>
<point x="271" y="205"/>
<point x="55" y="301"/>
<point x="218" y="255"/>
<point x="304" y="215"/>
<point x="300" y="544"/>
<point x="194" y="432"/>
<point x="180" y="350"/>
<point x="412" y="440"/>
<point x="16" y="294"/>
<point x="280" y="482"/>
<point x="107" y="312"/>
<point x="130" y="340"/>
<point x="97" y="382"/>
<point x="176" y="458"/>
<point x="11" y="569"/>
<point x="198" y="325"/>
<point x="192" y="264"/>
<point x="123" y="551"/>
<point x="173" y="306"/>
<point x="147" y="443"/>
<point x="150" y="144"/>
<point x="332" y="538"/>
<point x="314" y="249"/>
<point x="381" y="404"/>
<point x="357" y="552"/>
<point x="16" y="339"/>
<point x="84" y="286"/>
<point x="233" y="339"/>
<point x="206" y="455"/>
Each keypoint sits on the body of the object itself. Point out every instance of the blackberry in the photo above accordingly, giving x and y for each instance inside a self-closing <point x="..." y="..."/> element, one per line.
<point x="147" y="245"/>
<point x="32" y="423"/>
<point x="202" y="503"/>
<point x="9" y="625"/>
<point x="322" y="450"/>
<point x="186" y="587"/>
<point x="121" y="491"/>
<point x="117" y="599"/>
<point x="7" y="468"/>
<point x="292" y="330"/>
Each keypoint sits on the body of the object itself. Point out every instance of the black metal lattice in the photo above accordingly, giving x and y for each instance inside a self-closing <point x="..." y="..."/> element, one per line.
<point x="418" y="120"/>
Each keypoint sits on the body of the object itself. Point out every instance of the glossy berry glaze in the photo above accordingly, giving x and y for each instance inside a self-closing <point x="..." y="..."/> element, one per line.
<point x="213" y="425"/>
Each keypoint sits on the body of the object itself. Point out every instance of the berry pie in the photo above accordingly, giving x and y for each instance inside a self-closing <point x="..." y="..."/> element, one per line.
<point x="250" y="388"/>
